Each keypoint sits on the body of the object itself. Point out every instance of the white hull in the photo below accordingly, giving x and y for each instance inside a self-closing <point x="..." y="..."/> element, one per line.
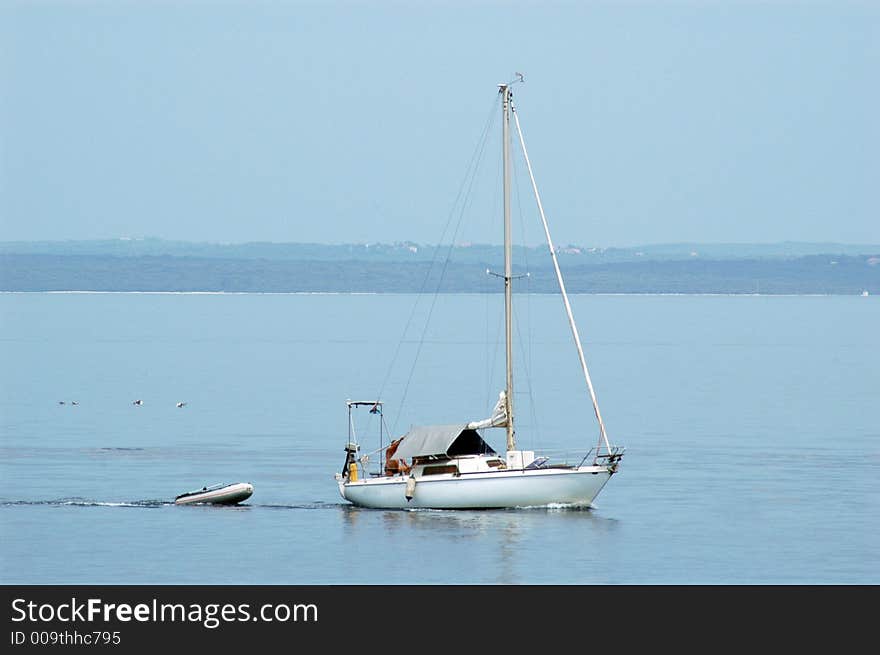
<point x="227" y="495"/>
<point x="491" y="490"/>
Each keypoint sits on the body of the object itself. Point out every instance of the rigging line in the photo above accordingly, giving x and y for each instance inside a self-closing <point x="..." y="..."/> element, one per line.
<point x="475" y="161"/>
<point x="352" y="432"/>
<point x="526" y="349"/>
<point x="435" y="296"/>
<point x="522" y="225"/>
<point x="527" y="365"/>
<point x="603" y="436"/>
<point x="382" y="446"/>
<point x="539" y="437"/>
<point x="490" y="395"/>
<point x="468" y="171"/>
<point x="496" y="342"/>
<point x="486" y="346"/>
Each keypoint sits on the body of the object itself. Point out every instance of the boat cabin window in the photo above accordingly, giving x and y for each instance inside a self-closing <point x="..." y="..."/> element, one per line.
<point x="437" y="470"/>
<point x="497" y="464"/>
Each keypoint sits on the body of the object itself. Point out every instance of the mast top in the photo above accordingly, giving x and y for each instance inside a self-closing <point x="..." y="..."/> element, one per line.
<point x="507" y="85"/>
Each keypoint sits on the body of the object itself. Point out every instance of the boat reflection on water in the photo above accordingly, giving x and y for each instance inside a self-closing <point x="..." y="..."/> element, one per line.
<point x="475" y="546"/>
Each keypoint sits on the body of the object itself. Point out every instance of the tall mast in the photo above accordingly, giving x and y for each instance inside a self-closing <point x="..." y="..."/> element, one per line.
<point x="508" y="272"/>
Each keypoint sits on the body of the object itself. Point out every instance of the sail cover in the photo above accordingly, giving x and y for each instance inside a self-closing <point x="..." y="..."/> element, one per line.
<point x="452" y="440"/>
<point x="498" y="418"/>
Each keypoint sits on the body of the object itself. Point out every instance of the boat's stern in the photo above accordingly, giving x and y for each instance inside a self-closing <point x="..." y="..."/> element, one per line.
<point x="350" y="471"/>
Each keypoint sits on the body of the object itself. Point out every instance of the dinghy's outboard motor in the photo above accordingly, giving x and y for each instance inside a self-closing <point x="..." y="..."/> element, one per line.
<point x="350" y="468"/>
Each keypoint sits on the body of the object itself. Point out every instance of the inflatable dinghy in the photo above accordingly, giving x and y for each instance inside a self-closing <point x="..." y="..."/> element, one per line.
<point x="219" y="494"/>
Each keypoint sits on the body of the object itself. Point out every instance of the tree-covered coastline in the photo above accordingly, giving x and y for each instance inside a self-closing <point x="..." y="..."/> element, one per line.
<point x="156" y="265"/>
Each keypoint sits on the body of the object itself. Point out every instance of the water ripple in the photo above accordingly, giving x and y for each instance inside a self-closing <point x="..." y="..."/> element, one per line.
<point x="85" y="502"/>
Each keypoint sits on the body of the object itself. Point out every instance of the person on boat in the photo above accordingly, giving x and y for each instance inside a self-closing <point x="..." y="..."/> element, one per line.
<point x="394" y="466"/>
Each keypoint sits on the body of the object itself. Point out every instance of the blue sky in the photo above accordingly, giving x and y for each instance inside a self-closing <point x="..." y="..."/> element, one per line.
<point x="351" y="122"/>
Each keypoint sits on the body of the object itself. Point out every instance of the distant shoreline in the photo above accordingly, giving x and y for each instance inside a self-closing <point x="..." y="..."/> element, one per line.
<point x="85" y="292"/>
<point x="302" y="269"/>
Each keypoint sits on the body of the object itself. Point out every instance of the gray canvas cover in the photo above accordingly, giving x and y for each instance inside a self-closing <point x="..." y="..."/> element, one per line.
<point x="426" y="440"/>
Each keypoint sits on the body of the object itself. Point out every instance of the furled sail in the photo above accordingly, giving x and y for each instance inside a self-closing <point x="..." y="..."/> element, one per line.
<point x="498" y="418"/>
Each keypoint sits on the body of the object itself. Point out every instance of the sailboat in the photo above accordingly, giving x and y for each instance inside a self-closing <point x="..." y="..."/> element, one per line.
<point x="452" y="466"/>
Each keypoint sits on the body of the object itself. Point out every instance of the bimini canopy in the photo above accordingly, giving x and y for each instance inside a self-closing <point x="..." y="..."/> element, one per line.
<point x="449" y="440"/>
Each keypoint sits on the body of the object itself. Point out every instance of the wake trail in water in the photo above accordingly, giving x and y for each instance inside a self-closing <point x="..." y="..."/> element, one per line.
<point x="156" y="503"/>
<point x="315" y="505"/>
<point x="85" y="502"/>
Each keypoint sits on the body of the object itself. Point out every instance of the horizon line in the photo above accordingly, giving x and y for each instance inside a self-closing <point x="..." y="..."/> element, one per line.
<point x="404" y="242"/>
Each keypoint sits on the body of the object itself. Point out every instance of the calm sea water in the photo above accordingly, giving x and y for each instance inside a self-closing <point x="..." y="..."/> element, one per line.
<point x="752" y="429"/>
